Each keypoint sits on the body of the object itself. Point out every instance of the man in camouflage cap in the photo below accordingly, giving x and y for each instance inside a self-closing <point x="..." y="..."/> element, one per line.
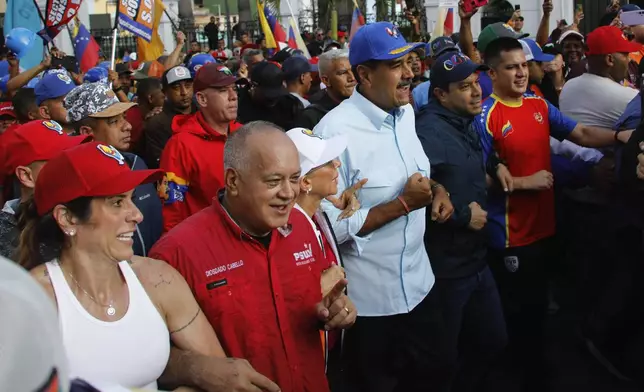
<point x="94" y="110"/>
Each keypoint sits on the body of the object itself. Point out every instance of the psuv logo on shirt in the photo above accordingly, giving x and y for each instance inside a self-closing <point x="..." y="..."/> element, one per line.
<point x="507" y="129"/>
<point x="173" y="188"/>
<point x="305" y="256"/>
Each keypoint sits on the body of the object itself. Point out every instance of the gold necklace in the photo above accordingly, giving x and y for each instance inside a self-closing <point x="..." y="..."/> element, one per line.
<point x="111" y="311"/>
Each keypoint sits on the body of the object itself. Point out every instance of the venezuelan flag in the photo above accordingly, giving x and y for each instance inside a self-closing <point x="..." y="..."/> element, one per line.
<point x="266" y="28"/>
<point x="357" y="21"/>
<point x="278" y="32"/>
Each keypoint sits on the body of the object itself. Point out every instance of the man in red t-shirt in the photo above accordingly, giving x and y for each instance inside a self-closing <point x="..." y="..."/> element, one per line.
<point x="193" y="157"/>
<point x="254" y="265"/>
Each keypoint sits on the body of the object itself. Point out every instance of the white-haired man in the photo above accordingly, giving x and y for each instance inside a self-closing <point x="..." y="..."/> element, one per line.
<point x="335" y="73"/>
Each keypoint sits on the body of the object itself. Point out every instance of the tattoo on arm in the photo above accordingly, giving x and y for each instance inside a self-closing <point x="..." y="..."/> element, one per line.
<point x="189" y="322"/>
<point x="163" y="281"/>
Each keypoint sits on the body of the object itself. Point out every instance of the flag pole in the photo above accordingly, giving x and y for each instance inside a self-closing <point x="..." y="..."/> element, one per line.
<point x="45" y="44"/>
<point x="174" y="25"/>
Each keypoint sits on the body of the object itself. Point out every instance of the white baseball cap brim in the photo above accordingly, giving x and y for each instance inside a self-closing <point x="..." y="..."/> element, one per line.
<point x="315" y="151"/>
<point x="569" y="33"/>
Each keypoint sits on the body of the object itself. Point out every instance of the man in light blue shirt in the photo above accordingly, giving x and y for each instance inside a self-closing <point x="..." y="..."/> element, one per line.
<point x="397" y="341"/>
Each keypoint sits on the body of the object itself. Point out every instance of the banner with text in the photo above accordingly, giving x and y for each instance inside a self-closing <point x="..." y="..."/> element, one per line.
<point x="136" y="16"/>
<point x="59" y="13"/>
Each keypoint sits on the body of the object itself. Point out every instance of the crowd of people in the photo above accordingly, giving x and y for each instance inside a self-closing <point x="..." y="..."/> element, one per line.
<point x="389" y="216"/>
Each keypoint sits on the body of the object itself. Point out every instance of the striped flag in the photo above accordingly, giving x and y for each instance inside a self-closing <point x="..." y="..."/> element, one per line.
<point x="266" y="28"/>
<point x="291" y="38"/>
<point x="278" y="32"/>
<point x="357" y="21"/>
<point x="298" y="38"/>
<point x="448" y="26"/>
<point x="85" y="46"/>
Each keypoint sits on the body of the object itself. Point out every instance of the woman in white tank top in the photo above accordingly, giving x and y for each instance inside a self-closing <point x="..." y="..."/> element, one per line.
<point x="118" y="312"/>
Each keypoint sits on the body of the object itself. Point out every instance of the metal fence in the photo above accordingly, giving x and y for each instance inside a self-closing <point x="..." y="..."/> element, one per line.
<point x="307" y="22"/>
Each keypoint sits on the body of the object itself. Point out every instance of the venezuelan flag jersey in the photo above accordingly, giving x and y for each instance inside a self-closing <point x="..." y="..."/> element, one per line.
<point x="519" y="132"/>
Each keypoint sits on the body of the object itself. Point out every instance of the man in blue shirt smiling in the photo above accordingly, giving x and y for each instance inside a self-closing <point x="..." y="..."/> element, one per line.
<point x="396" y="343"/>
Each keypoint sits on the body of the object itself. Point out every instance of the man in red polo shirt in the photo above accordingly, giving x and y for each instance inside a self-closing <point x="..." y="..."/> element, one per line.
<point x="254" y="265"/>
<point x="193" y="157"/>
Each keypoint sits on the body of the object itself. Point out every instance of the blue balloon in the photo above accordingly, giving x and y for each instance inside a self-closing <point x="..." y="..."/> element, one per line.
<point x="19" y="41"/>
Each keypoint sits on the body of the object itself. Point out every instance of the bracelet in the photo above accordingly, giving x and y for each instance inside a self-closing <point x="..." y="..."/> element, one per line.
<point x="437" y="185"/>
<point x="404" y="204"/>
<point x="617" y="133"/>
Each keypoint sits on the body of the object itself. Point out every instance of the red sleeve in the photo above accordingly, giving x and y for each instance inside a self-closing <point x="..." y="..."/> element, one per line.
<point x="176" y="163"/>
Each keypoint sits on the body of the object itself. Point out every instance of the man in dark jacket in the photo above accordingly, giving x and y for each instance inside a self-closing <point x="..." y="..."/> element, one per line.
<point x="335" y="72"/>
<point x="94" y="110"/>
<point x="212" y="32"/>
<point x="457" y="249"/>
<point x="177" y="87"/>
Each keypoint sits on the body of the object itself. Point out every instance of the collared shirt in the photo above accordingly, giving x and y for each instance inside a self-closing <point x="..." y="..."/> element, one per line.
<point x="261" y="302"/>
<point x="304" y="101"/>
<point x="388" y="270"/>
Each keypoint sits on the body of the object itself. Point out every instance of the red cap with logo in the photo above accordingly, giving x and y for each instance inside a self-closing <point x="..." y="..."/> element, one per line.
<point x="88" y="170"/>
<point x="37" y="141"/>
<point x="609" y="39"/>
<point x="6" y="109"/>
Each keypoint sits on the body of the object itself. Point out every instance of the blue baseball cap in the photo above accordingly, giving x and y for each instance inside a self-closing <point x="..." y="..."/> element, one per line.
<point x="441" y="45"/>
<point x="96" y="74"/>
<point x="295" y="66"/>
<point x="533" y="51"/>
<point x="53" y="85"/>
<point x="379" y="41"/>
<point x="452" y="67"/>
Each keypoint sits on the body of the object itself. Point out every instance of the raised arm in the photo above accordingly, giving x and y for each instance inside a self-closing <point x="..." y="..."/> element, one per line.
<point x="466" y="41"/>
<point x="173" y="58"/>
<point x="544" y="26"/>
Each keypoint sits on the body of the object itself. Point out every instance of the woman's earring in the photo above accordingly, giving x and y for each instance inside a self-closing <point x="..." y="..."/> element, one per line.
<point x="309" y="190"/>
<point x="71" y="232"/>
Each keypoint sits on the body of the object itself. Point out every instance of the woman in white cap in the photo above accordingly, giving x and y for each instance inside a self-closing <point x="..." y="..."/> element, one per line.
<point x="118" y="312"/>
<point x="318" y="182"/>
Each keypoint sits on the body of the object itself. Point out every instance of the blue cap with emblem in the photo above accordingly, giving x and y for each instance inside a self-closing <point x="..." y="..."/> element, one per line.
<point x="452" y="67"/>
<point x="53" y="85"/>
<point x="441" y="45"/>
<point x="379" y="41"/>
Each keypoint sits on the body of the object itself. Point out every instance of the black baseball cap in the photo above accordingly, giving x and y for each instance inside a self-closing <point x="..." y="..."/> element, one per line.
<point x="122" y="69"/>
<point x="452" y="67"/>
<point x="268" y="78"/>
<point x="295" y="66"/>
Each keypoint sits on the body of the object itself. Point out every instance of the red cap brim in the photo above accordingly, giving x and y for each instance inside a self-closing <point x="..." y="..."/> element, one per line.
<point x="125" y="182"/>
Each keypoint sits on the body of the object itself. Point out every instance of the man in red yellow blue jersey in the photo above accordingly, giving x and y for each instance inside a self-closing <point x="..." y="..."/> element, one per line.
<point x="517" y="127"/>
